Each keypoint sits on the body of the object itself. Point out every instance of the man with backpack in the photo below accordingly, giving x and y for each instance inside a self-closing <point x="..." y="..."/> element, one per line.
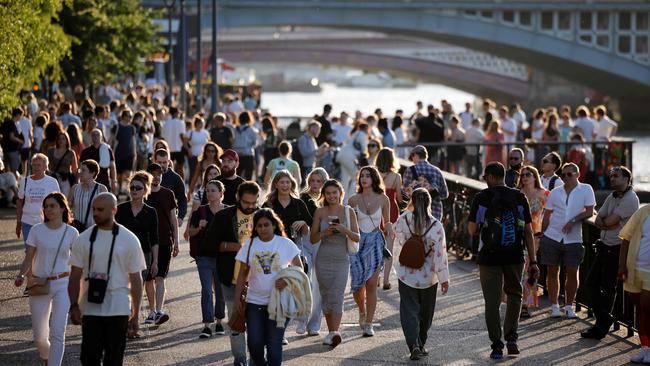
<point x="550" y="164"/>
<point x="426" y="175"/>
<point x="500" y="215"/>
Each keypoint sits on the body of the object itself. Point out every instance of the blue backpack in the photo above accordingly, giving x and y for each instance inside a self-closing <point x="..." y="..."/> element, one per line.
<point x="503" y="228"/>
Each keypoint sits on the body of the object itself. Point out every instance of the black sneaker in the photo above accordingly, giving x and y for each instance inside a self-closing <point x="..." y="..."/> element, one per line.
<point x="416" y="353"/>
<point x="218" y="329"/>
<point x="425" y="352"/>
<point x="512" y="347"/>
<point x="161" y="318"/>
<point x="206" y="333"/>
<point x="592" y="333"/>
<point x="497" y="354"/>
<point x="151" y="319"/>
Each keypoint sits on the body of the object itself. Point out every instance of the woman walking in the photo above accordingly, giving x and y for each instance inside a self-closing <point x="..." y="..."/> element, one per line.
<point x="387" y="166"/>
<point x="261" y="259"/>
<point x="354" y="150"/>
<point x="82" y="194"/>
<point x="48" y="252"/>
<point x="212" y="306"/>
<point x="373" y="209"/>
<point x="197" y="139"/>
<point x="330" y="228"/>
<point x="311" y="194"/>
<point x="283" y="162"/>
<point x="209" y="156"/>
<point x="63" y="163"/>
<point x="199" y="198"/>
<point x="418" y="286"/>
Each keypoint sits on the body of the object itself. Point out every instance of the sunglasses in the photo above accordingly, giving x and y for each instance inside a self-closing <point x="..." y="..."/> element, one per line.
<point x="136" y="188"/>
<point x="514" y="158"/>
<point x="615" y="175"/>
<point x="527" y="174"/>
<point x="568" y="174"/>
<point x="211" y="151"/>
<point x="545" y="161"/>
<point x="373" y="145"/>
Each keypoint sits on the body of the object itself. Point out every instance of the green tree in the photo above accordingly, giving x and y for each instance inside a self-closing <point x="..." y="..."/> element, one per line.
<point x="109" y="37"/>
<point x="31" y="44"/>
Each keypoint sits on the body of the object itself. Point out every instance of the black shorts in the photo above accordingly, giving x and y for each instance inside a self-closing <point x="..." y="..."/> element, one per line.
<point x="146" y="274"/>
<point x="25" y="152"/>
<point x="123" y="165"/>
<point x="164" y="259"/>
<point x="178" y="157"/>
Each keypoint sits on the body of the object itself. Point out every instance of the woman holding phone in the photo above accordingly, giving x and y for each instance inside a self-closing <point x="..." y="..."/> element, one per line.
<point x="332" y="260"/>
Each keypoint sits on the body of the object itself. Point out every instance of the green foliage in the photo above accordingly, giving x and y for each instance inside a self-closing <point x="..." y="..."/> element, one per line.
<point x="109" y="37"/>
<point x="31" y="44"/>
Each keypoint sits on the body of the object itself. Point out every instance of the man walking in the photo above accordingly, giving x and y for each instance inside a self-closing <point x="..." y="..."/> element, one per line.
<point x="229" y="177"/>
<point x="229" y="230"/>
<point x="564" y="212"/>
<point x="172" y="181"/>
<point x="619" y="206"/>
<point x="162" y="199"/>
<point x="109" y="259"/>
<point x="500" y="215"/>
<point x="426" y="175"/>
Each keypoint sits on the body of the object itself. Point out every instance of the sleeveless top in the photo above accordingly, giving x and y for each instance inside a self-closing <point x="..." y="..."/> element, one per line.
<point x="394" y="209"/>
<point x="368" y="223"/>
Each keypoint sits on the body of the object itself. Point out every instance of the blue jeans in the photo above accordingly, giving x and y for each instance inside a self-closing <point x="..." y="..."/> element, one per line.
<point x="207" y="268"/>
<point x="237" y="340"/>
<point x="26" y="228"/>
<point x="263" y="332"/>
<point x="316" y="315"/>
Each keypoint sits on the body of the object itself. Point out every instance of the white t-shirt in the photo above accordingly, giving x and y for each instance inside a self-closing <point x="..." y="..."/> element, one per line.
<point x="643" y="258"/>
<point x="36" y="192"/>
<point x="546" y="181"/>
<point x="127" y="258"/>
<point x="565" y="209"/>
<point x="538" y="130"/>
<point x="586" y="126"/>
<point x="605" y="128"/>
<point x="265" y="261"/>
<point x="509" y="125"/>
<point x="46" y="241"/>
<point x="341" y="132"/>
<point x="172" y="131"/>
<point x="198" y="139"/>
<point x="466" y="119"/>
<point x="25" y="128"/>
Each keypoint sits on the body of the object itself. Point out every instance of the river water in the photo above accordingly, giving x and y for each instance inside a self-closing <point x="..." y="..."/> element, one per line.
<point x="367" y="100"/>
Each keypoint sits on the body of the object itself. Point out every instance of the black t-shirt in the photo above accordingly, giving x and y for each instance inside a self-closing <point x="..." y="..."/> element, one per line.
<point x="310" y="202"/>
<point x="230" y="185"/>
<point x="325" y="131"/>
<point x="164" y="202"/>
<point x="296" y="210"/>
<point x="221" y="136"/>
<point x="144" y="225"/>
<point x="431" y="127"/>
<point x="205" y="248"/>
<point x="9" y="127"/>
<point x="480" y="205"/>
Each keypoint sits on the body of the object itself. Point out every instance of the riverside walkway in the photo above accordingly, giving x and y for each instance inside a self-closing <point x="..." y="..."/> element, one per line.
<point x="457" y="337"/>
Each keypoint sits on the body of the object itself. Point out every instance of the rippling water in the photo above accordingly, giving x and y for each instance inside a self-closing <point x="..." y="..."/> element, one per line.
<point x="368" y="99"/>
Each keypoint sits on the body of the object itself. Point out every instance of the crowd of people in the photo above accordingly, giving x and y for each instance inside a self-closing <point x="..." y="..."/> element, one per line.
<point x="278" y="228"/>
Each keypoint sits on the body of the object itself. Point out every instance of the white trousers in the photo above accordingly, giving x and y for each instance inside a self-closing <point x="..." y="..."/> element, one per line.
<point x="49" y="331"/>
<point x="348" y="173"/>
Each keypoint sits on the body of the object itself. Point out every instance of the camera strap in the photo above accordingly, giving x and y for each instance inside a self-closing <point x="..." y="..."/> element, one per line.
<point x="93" y="237"/>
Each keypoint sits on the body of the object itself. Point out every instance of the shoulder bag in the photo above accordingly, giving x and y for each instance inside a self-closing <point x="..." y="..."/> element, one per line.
<point x="83" y="225"/>
<point x="353" y="246"/>
<point x="386" y="252"/>
<point x="41" y="285"/>
<point x="237" y="322"/>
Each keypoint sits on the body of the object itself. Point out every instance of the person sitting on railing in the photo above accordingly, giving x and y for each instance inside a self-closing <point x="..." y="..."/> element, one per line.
<point x="564" y="212"/>
<point x="619" y="206"/>
<point x="634" y="270"/>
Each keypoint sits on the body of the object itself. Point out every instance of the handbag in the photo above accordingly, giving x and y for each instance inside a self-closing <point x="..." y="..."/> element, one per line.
<point x="82" y="226"/>
<point x="237" y="322"/>
<point x="353" y="246"/>
<point x="37" y="286"/>
<point x="386" y="253"/>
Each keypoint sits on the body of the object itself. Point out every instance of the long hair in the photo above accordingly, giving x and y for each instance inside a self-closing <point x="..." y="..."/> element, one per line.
<point x="273" y="217"/>
<point x="322" y="201"/>
<point x="217" y="154"/>
<point x="67" y="140"/>
<point x="321" y="172"/>
<point x="377" y="181"/>
<point x="74" y="134"/>
<point x="207" y="171"/>
<point x="421" y="203"/>
<point x="386" y="161"/>
<point x="273" y="192"/>
<point x="63" y="203"/>
<point x="536" y="178"/>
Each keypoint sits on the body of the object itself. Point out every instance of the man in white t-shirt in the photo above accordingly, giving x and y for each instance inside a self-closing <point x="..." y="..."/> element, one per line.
<point x="25" y="129"/>
<point x="108" y="256"/>
<point x="519" y="116"/>
<point x="607" y="128"/>
<point x="585" y="124"/>
<point x="467" y="116"/>
<point x="508" y="125"/>
<point x="173" y="131"/>
<point x="342" y="129"/>
<point x="31" y="193"/>
<point x="565" y="209"/>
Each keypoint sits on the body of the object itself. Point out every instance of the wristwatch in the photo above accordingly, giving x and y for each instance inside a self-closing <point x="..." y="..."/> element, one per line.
<point x="21" y="276"/>
<point x="74" y="306"/>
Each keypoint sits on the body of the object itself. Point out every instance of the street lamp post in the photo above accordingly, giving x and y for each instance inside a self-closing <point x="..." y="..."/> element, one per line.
<point x="170" y="50"/>
<point x="199" y="56"/>
<point x="215" y="66"/>
<point x="183" y="102"/>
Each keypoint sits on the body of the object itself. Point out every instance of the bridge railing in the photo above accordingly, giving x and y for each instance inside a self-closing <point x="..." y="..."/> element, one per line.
<point x="623" y="308"/>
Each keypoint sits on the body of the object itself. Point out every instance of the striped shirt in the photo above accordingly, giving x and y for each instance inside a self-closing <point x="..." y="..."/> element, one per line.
<point x="82" y="198"/>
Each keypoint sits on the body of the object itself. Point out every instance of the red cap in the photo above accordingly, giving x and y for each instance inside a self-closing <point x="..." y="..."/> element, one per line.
<point x="230" y="154"/>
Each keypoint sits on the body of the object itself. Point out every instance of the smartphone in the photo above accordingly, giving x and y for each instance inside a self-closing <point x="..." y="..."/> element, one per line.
<point x="334" y="221"/>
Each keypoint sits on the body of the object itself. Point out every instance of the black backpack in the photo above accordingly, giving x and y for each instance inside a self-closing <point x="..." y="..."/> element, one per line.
<point x="503" y="228"/>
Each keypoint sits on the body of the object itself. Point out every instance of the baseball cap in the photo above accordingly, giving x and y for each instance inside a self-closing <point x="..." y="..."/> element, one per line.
<point x="230" y="154"/>
<point x="418" y="149"/>
<point x="154" y="167"/>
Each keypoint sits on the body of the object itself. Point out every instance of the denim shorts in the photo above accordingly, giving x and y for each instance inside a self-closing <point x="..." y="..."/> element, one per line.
<point x="554" y="253"/>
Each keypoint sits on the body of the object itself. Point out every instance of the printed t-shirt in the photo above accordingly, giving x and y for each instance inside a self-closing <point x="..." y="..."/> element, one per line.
<point x="244" y="227"/>
<point x="37" y="190"/>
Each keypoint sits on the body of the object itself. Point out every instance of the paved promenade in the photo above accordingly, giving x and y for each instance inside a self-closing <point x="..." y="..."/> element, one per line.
<point x="458" y="335"/>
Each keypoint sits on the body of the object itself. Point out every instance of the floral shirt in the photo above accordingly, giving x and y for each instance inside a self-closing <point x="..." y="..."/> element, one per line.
<point x="435" y="268"/>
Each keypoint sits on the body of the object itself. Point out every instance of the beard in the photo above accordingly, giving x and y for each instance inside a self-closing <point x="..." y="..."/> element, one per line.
<point x="227" y="173"/>
<point x="246" y="211"/>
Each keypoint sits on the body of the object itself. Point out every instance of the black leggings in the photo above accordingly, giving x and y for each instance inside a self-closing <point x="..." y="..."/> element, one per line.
<point x="246" y="166"/>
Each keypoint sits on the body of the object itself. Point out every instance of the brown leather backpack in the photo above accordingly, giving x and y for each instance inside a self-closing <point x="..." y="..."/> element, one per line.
<point x="413" y="251"/>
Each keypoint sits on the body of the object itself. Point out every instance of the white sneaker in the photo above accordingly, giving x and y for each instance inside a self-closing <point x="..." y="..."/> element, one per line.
<point x="641" y="356"/>
<point x="328" y="339"/>
<point x="368" y="331"/>
<point x="301" y="328"/>
<point x="569" y="312"/>
<point x="555" y="311"/>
